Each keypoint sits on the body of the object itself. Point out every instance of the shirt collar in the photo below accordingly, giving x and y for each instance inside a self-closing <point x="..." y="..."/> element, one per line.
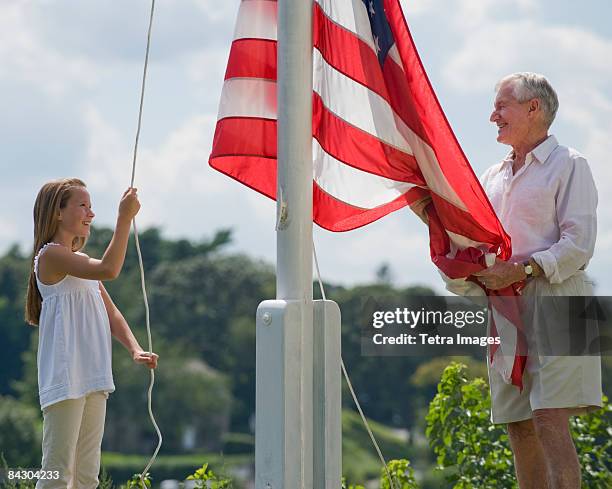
<point x="545" y="148"/>
<point x="540" y="153"/>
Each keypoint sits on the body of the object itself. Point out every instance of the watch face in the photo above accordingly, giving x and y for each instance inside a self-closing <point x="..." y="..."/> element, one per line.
<point x="528" y="269"/>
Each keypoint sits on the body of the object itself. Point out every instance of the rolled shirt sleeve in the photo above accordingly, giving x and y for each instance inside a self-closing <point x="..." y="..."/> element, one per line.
<point x="576" y="211"/>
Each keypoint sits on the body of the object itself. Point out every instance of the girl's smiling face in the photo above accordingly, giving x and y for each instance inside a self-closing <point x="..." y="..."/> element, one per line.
<point x="76" y="217"/>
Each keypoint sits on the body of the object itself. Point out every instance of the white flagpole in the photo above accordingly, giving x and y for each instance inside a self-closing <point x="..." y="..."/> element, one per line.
<point x="284" y="386"/>
<point x="294" y="184"/>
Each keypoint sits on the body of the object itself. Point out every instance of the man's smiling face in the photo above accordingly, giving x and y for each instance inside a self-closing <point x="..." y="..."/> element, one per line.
<point x="510" y="116"/>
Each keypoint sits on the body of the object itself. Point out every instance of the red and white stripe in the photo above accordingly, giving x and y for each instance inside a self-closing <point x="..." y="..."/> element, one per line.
<point x="380" y="138"/>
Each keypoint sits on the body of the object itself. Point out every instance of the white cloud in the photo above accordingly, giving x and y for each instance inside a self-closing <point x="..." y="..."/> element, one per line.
<point x="498" y="48"/>
<point x="8" y="226"/>
<point x="25" y="57"/>
<point x="467" y="13"/>
<point x="106" y="156"/>
<point x="218" y="11"/>
<point x="205" y="70"/>
<point x="417" y="7"/>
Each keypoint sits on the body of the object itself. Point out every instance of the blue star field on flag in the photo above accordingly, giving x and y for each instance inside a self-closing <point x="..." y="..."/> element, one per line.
<point x="381" y="31"/>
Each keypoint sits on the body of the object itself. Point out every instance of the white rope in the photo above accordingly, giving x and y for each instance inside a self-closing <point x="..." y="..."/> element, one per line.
<point x="140" y="264"/>
<point x="350" y="385"/>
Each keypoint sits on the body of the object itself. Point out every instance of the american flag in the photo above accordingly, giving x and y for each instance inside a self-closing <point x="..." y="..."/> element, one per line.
<point x="380" y="138"/>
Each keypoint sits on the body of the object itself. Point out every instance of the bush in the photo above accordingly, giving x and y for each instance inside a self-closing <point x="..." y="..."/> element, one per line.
<point x="593" y="438"/>
<point x="478" y="453"/>
<point x="121" y="467"/>
<point x="206" y="478"/>
<point x="401" y="473"/>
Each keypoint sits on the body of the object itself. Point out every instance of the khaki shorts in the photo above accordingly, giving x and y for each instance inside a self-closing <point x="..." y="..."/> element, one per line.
<point x="550" y="381"/>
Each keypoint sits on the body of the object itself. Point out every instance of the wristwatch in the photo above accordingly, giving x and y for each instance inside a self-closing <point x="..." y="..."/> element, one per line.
<point x="528" y="269"/>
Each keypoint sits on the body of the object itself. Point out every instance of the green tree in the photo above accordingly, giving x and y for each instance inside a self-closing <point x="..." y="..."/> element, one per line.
<point x="384" y="274"/>
<point x="26" y="387"/>
<point x="189" y="396"/>
<point x="373" y="375"/>
<point x="126" y="290"/>
<point x="20" y="433"/>
<point x="15" y="334"/>
<point x="207" y="306"/>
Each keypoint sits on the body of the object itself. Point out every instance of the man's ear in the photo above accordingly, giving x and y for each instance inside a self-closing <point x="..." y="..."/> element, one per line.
<point x="534" y="105"/>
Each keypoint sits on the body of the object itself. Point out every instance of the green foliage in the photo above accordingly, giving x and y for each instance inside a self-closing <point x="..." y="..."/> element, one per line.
<point x="15" y="334"/>
<point x="462" y="436"/>
<point x="206" y="478"/>
<point x="106" y="481"/>
<point x="15" y="483"/>
<point x="20" y="425"/>
<point x="593" y="439"/>
<point x="477" y="453"/>
<point x="19" y="484"/>
<point x="206" y="306"/>
<point x="234" y="443"/>
<point x="371" y="375"/>
<point x="26" y="387"/>
<point x="428" y="374"/>
<point x="359" y="460"/>
<point x="189" y="396"/>
<point x="426" y="377"/>
<point x="344" y="485"/>
<point x="402" y="475"/>
<point x="136" y="482"/>
<point x="121" y="466"/>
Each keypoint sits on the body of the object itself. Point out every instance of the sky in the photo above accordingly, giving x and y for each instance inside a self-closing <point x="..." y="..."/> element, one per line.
<point x="69" y="91"/>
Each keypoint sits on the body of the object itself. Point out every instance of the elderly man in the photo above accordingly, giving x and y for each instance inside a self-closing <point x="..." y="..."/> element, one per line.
<point x="545" y="197"/>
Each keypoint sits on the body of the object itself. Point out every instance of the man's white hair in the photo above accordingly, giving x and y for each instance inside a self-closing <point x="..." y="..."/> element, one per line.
<point x="527" y="85"/>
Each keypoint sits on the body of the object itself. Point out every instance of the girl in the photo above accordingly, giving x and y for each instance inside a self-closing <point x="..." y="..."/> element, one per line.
<point x="76" y="318"/>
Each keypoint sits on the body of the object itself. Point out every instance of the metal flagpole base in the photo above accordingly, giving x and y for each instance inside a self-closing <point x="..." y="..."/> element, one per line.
<point x="283" y="397"/>
<point x="298" y="423"/>
<point x="327" y="402"/>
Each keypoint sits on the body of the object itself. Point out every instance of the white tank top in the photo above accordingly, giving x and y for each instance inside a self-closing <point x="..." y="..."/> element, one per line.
<point x="74" y="342"/>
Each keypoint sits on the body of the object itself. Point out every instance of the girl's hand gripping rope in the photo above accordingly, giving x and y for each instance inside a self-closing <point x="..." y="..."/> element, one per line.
<point x="129" y="205"/>
<point x="146" y="358"/>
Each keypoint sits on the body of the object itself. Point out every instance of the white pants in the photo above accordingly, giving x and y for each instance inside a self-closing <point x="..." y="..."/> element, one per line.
<point x="72" y="436"/>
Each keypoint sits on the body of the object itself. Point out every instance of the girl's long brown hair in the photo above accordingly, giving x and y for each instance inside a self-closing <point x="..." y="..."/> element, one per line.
<point x="50" y="199"/>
